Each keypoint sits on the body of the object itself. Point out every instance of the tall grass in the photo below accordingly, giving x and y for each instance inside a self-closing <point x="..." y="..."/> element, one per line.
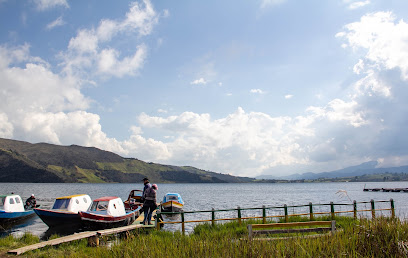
<point x="381" y="237"/>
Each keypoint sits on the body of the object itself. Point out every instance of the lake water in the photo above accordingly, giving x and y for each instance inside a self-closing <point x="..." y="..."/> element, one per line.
<point x="218" y="196"/>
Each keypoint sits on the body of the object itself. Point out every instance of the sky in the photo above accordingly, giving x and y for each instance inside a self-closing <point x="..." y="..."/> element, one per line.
<point x="248" y="88"/>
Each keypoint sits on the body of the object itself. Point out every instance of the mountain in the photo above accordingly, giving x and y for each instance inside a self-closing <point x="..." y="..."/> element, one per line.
<point x="366" y="168"/>
<point x="42" y="162"/>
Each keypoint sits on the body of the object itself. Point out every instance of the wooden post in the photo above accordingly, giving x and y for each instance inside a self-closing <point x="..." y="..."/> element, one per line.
<point x="157" y="220"/>
<point x="239" y="216"/>
<point x="93" y="240"/>
<point x="372" y="208"/>
<point x="263" y="214"/>
<point x="333" y="227"/>
<point x="332" y="210"/>
<point x="250" y="232"/>
<point x="311" y="211"/>
<point x="213" y="217"/>
<point x="182" y="223"/>
<point x="285" y="208"/>
<point x="392" y="208"/>
<point x="355" y="209"/>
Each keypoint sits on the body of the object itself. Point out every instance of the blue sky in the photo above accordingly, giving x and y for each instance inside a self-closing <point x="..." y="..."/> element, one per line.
<point x="247" y="88"/>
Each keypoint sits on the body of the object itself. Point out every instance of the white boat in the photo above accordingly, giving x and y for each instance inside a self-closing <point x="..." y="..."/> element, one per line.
<point x="108" y="212"/>
<point x="65" y="210"/>
<point x="12" y="209"/>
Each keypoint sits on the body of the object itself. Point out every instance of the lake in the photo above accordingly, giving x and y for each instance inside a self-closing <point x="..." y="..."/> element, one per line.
<point x="217" y="196"/>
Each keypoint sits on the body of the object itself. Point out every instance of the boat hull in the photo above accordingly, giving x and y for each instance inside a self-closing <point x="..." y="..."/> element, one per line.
<point x="97" y="221"/>
<point x="171" y="206"/>
<point x="14" y="217"/>
<point x="59" y="218"/>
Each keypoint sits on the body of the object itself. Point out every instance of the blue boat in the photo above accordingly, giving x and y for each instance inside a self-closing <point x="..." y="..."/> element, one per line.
<point x="12" y="210"/>
<point x="172" y="202"/>
<point x="64" y="212"/>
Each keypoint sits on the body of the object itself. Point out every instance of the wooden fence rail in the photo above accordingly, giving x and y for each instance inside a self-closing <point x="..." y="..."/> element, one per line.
<point x="285" y="209"/>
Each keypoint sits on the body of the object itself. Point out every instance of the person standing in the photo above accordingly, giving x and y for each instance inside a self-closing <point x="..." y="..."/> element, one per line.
<point x="149" y="204"/>
<point x="146" y="186"/>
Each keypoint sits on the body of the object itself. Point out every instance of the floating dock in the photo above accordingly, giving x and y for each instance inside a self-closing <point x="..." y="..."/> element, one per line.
<point x="386" y="190"/>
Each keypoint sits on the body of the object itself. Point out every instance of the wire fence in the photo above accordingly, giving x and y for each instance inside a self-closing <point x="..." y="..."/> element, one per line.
<point x="369" y="209"/>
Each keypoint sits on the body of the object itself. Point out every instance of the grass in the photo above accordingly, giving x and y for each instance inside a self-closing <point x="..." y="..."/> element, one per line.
<point x="382" y="237"/>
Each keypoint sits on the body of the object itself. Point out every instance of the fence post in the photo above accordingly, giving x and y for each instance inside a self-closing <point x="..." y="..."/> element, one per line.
<point x="250" y="232"/>
<point x="392" y="208"/>
<point x="285" y="208"/>
<point x="239" y="215"/>
<point x="157" y="220"/>
<point x="355" y="209"/>
<point x="212" y="217"/>
<point x="311" y="210"/>
<point x="332" y="210"/>
<point x="372" y="208"/>
<point x="182" y="223"/>
<point x="263" y="214"/>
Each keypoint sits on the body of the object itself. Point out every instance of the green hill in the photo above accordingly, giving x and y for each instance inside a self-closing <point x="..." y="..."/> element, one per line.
<point x="26" y="162"/>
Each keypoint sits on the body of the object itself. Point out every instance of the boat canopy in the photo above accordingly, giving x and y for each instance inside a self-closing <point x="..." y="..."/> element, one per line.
<point x="109" y="205"/>
<point x="73" y="203"/>
<point x="11" y="203"/>
<point x="172" y="197"/>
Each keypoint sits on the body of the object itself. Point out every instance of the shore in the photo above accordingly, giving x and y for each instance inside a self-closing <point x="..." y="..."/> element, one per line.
<point x="383" y="237"/>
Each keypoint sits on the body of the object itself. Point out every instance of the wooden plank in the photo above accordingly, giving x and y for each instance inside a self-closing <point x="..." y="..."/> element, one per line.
<point x="52" y="242"/>
<point x="290" y="237"/>
<point x="291" y="230"/>
<point x="141" y="217"/>
<point x="78" y="236"/>
<point x="122" y="229"/>
<point x="293" y="224"/>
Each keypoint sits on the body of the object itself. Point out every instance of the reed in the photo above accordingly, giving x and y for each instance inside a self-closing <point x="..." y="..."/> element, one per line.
<point x="381" y="237"/>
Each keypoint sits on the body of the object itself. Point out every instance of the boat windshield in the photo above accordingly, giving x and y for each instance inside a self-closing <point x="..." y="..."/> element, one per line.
<point x="172" y="198"/>
<point x="61" y="204"/>
<point x="100" y="206"/>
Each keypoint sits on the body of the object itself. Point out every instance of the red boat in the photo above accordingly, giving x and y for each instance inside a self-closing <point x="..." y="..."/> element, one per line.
<point x="134" y="200"/>
<point x="108" y="212"/>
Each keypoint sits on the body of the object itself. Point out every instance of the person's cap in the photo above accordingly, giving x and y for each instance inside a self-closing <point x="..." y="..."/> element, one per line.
<point x="144" y="179"/>
<point x="32" y="195"/>
<point x="154" y="186"/>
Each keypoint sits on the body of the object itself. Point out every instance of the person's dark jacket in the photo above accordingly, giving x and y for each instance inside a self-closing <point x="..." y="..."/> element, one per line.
<point x="31" y="202"/>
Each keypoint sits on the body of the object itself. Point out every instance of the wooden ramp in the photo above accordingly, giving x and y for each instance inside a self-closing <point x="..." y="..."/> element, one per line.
<point x="56" y="241"/>
<point x="93" y="236"/>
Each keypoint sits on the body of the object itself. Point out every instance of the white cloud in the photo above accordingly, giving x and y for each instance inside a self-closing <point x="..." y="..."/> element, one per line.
<point x="384" y="39"/>
<point x="199" y="81"/>
<point x="252" y="143"/>
<point x="38" y="104"/>
<point x="85" y="42"/>
<point x="257" y="91"/>
<point x="372" y="84"/>
<point x="58" y="22"/>
<point x="141" y="18"/>
<point x="6" y="128"/>
<point x="289" y="96"/>
<point x="49" y="4"/>
<point x="108" y="62"/>
<point x="339" y="110"/>
<point x="87" y="51"/>
<point x="358" y="4"/>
